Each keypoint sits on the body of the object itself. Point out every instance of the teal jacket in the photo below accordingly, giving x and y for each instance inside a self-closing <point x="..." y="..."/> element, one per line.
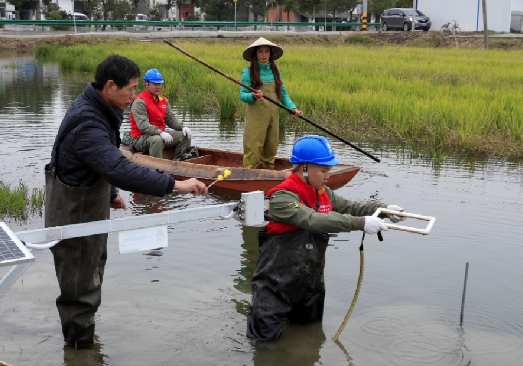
<point x="266" y="76"/>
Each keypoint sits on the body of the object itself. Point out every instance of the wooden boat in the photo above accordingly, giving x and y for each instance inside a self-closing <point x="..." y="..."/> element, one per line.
<point x="212" y="162"/>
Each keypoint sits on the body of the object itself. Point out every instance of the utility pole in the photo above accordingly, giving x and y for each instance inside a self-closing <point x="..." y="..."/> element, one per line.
<point x="485" y="27"/>
<point x="235" y="3"/>
<point x="414" y="5"/>
<point x="364" y="18"/>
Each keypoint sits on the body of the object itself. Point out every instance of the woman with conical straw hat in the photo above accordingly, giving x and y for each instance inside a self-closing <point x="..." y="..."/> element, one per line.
<point x="261" y="131"/>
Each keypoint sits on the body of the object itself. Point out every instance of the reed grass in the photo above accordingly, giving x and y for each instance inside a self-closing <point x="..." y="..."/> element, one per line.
<point x="447" y="100"/>
<point x="17" y="202"/>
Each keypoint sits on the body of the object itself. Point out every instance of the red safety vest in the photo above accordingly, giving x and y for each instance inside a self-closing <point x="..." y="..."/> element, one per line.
<point x="320" y="201"/>
<point x="156" y="111"/>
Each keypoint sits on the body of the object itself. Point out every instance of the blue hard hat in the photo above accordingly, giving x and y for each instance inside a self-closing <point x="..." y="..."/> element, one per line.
<point x="313" y="149"/>
<point x="153" y="76"/>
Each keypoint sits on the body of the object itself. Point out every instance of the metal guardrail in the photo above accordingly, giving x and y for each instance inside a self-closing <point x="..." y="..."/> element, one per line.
<point x="192" y="25"/>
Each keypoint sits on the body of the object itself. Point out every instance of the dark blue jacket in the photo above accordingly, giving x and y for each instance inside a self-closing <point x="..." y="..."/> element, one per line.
<point x="91" y="150"/>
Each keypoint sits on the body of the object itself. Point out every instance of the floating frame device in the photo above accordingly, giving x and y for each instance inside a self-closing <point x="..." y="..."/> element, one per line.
<point x="426" y="231"/>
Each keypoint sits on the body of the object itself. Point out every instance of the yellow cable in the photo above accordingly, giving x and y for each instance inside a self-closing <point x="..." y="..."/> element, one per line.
<point x="356" y="293"/>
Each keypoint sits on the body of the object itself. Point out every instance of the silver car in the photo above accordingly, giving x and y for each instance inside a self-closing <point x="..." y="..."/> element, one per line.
<point x="401" y="18"/>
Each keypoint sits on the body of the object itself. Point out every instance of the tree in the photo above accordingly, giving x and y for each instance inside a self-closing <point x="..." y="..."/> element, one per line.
<point x="306" y="6"/>
<point x="155" y="14"/>
<point x="218" y="10"/>
<point x="258" y="8"/>
<point x="377" y="7"/>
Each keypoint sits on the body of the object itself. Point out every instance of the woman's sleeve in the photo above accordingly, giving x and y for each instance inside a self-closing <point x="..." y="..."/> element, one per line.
<point x="285" y="99"/>
<point x="246" y="94"/>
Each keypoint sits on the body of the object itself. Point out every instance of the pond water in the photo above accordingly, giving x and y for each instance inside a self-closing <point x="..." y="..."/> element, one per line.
<point x="188" y="307"/>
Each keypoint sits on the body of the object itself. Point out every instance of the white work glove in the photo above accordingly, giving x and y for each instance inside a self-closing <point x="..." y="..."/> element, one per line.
<point x="186" y="132"/>
<point x="393" y="218"/>
<point x="373" y="225"/>
<point x="167" y="138"/>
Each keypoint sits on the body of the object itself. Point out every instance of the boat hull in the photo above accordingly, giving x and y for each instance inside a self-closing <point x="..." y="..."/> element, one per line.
<point x="212" y="162"/>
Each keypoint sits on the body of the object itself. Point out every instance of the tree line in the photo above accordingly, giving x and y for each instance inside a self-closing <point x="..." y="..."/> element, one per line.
<point x="218" y="10"/>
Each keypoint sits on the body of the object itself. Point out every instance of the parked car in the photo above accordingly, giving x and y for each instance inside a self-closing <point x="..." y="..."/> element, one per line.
<point x="142" y="17"/>
<point x="79" y="16"/>
<point x="401" y="18"/>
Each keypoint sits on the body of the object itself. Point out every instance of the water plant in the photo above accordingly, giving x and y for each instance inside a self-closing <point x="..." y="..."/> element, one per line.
<point x="17" y="202"/>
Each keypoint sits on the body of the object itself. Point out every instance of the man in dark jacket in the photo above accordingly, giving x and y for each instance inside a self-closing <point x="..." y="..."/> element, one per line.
<point x="81" y="185"/>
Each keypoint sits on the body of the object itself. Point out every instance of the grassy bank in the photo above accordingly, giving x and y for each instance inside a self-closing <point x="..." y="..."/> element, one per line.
<point x="17" y="202"/>
<point x="441" y="99"/>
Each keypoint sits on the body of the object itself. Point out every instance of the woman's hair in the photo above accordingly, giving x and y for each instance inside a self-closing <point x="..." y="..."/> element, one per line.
<point x="255" y="73"/>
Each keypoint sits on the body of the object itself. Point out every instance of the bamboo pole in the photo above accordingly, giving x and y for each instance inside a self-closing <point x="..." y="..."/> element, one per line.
<point x="273" y="101"/>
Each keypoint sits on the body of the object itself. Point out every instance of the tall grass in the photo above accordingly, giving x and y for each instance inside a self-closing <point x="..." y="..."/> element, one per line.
<point x="17" y="202"/>
<point x="467" y="100"/>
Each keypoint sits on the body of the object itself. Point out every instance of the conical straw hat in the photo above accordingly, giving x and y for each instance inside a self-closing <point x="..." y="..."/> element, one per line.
<point x="277" y="51"/>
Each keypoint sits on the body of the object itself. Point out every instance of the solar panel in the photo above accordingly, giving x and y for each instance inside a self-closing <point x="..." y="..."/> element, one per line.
<point x="12" y="251"/>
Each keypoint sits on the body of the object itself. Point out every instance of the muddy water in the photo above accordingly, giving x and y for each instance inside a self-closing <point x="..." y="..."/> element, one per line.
<point x="188" y="307"/>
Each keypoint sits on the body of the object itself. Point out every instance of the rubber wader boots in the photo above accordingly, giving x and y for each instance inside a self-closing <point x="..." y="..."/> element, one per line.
<point x="261" y="131"/>
<point x="79" y="262"/>
<point x="288" y="282"/>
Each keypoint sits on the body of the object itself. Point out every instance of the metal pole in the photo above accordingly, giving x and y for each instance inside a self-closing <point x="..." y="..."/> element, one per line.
<point x="235" y="3"/>
<point x="485" y="27"/>
<point x="464" y="291"/>
<point x="325" y="30"/>
<point x="414" y="3"/>
<point x="364" y="15"/>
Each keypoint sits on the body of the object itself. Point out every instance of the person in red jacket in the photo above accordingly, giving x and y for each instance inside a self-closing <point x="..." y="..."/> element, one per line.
<point x="288" y="282"/>
<point x="150" y="114"/>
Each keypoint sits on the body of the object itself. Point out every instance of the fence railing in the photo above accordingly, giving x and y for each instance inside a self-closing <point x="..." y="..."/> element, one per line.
<point x="191" y="25"/>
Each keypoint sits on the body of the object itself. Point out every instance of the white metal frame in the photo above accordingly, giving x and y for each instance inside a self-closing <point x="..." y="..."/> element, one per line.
<point x="426" y="231"/>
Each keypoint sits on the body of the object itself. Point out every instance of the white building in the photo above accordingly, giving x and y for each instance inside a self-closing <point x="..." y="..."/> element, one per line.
<point x="469" y="13"/>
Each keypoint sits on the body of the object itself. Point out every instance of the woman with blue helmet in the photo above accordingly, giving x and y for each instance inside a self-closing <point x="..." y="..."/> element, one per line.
<point x="150" y="114"/>
<point x="288" y="282"/>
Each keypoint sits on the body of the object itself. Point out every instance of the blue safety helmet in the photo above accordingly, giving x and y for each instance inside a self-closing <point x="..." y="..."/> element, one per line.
<point x="313" y="149"/>
<point x="154" y="76"/>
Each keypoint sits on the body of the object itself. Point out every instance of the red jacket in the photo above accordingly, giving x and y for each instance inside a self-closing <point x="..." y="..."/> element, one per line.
<point x="156" y="111"/>
<point x="319" y="201"/>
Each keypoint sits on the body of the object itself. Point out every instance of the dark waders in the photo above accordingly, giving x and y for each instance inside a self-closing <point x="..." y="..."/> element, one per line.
<point x="288" y="282"/>
<point x="79" y="262"/>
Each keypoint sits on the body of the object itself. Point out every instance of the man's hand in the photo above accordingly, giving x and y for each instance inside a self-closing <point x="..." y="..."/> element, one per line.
<point x="186" y="132"/>
<point x="394" y="218"/>
<point x="118" y="202"/>
<point x="373" y="225"/>
<point x="192" y="185"/>
<point x="167" y="138"/>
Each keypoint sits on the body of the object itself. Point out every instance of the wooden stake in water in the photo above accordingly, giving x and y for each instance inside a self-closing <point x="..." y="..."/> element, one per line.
<point x="464" y="291"/>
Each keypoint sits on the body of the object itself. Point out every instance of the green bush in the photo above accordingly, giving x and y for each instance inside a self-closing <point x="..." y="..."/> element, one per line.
<point x="58" y="15"/>
<point x="45" y="51"/>
<point x="360" y="40"/>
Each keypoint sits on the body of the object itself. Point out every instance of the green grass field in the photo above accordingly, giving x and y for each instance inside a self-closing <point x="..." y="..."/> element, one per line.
<point x="442" y="99"/>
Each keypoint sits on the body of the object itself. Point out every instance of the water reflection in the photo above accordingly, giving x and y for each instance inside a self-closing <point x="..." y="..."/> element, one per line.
<point x="85" y="357"/>
<point x="299" y="345"/>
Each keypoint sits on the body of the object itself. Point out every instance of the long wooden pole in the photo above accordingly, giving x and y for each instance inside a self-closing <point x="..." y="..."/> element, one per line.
<point x="273" y="101"/>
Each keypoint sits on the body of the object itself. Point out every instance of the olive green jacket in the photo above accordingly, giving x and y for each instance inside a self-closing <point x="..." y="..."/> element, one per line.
<point x="346" y="215"/>
<point x="139" y="111"/>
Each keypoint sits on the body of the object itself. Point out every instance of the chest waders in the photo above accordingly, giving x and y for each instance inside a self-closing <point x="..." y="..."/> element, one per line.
<point x="79" y="262"/>
<point x="261" y="130"/>
<point x="288" y="283"/>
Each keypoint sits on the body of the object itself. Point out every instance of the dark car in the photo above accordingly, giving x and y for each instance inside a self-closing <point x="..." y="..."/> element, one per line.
<point x="401" y="18"/>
